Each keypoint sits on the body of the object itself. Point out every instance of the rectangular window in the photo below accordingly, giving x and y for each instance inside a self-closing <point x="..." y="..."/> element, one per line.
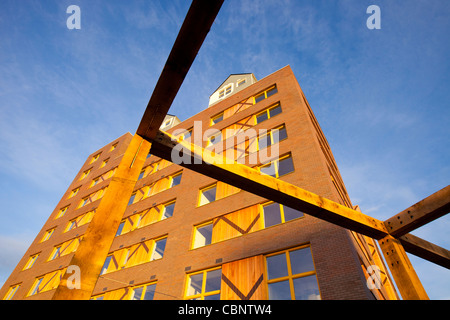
<point x="175" y="180"/>
<point x="216" y="138"/>
<point x="47" y="235"/>
<point x="31" y="261"/>
<point x="113" y="147"/>
<point x="204" y="285"/>
<point x="268" y="113"/>
<point x="265" y="94"/>
<point x="104" y="163"/>
<point x="272" y="137"/>
<point x="61" y="212"/>
<point x="132" y="198"/>
<point x="207" y="195"/>
<point x="55" y="253"/>
<point x="74" y="192"/>
<point x="11" y="292"/>
<point x="291" y="275"/>
<point x="80" y="221"/>
<point x="141" y="175"/>
<point x="275" y="213"/>
<point x="35" y="287"/>
<point x="279" y="167"/>
<point x="85" y="174"/>
<point x="95" y="158"/>
<point x="202" y="235"/>
<point x="119" y="230"/>
<point x="217" y="118"/>
<point x="168" y="209"/>
<point x="241" y="82"/>
<point x="145" y="292"/>
<point x="158" y="251"/>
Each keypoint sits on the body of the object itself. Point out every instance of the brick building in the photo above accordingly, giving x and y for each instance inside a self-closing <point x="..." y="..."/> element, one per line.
<point x="187" y="236"/>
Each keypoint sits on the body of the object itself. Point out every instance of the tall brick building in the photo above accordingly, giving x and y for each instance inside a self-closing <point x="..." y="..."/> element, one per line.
<point x="187" y="236"/>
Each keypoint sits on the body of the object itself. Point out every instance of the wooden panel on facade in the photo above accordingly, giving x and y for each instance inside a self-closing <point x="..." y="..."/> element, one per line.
<point x="243" y="280"/>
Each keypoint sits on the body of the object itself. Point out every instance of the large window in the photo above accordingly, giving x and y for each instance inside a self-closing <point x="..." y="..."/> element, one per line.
<point x="291" y="275"/>
<point x="272" y="137"/>
<point x="268" y="113"/>
<point x="265" y="94"/>
<point x="203" y="235"/>
<point x="145" y="292"/>
<point x="279" y="167"/>
<point x="275" y="213"/>
<point x="207" y="195"/>
<point x="204" y="285"/>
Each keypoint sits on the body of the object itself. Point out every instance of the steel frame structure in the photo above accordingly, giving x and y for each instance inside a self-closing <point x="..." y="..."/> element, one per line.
<point x="392" y="235"/>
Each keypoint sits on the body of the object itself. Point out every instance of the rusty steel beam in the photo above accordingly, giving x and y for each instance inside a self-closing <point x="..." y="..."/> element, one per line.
<point x="196" y="26"/>
<point x="425" y="250"/>
<point x="251" y="180"/>
<point x="419" y="214"/>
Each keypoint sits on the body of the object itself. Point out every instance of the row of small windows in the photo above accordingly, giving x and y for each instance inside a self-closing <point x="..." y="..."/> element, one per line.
<point x="249" y="102"/>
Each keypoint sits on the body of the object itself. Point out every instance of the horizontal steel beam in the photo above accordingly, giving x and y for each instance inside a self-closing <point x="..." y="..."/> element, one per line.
<point x="419" y="214"/>
<point x="196" y="26"/>
<point x="426" y="250"/>
<point x="251" y="180"/>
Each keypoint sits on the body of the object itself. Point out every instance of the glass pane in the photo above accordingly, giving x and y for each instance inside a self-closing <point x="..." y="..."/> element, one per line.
<point x="176" y="180"/>
<point x="261" y="117"/>
<point x="137" y="293"/>
<point x="106" y="264"/>
<point x="150" y="292"/>
<point x="159" y="249"/>
<point x="259" y="97"/>
<point x="195" y="284"/>
<point x="132" y="199"/>
<point x="273" y="112"/>
<point x="269" y="169"/>
<point x="285" y="166"/>
<point x="271" y="92"/>
<point x="141" y="175"/>
<point x="279" y="134"/>
<point x="279" y="291"/>
<point x="213" y="280"/>
<point x="168" y="210"/>
<point x="208" y="196"/>
<point x="301" y="261"/>
<point x="290" y="214"/>
<point x="272" y="215"/>
<point x="306" y="288"/>
<point x="119" y="230"/>
<point x="203" y="236"/>
<point x="218" y="119"/>
<point x="277" y="266"/>
<point x="264" y="141"/>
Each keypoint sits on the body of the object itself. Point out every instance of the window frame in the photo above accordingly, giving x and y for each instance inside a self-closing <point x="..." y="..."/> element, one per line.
<point x="267" y="113"/>
<point x="290" y="277"/>
<point x="212" y="186"/>
<point x="276" y="163"/>
<point x="31" y="261"/>
<point x="202" y="294"/>
<point x="11" y="292"/>
<point x="270" y="134"/>
<point x="282" y="214"/>
<point x="196" y="228"/>
<point x="48" y="234"/>
<point x="214" y="119"/>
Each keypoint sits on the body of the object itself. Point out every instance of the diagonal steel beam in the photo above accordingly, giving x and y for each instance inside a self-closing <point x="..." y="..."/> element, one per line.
<point x="251" y="180"/>
<point x="419" y="214"/>
<point x="196" y="26"/>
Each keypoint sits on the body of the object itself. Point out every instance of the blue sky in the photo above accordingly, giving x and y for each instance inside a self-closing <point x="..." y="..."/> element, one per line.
<point x="380" y="96"/>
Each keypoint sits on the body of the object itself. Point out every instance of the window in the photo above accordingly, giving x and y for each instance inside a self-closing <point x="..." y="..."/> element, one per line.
<point x="113" y="147"/>
<point x="61" y="212"/>
<point x="291" y="275"/>
<point x="264" y="95"/>
<point x="272" y="137"/>
<point x="95" y="158"/>
<point x="31" y="261"/>
<point x="145" y="292"/>
<point x="202" y="235"/>
<point x="79" y="221"/>
<point x="55" y="253"/>
<point x="268" y="113"/>
<point x="207" y="195"/>
<point x="204" y="285"/>
<point x="47" y="234"/>
<point x="279" y="167"/>
<point x="11" y="292"/>
<point x="35" y="287"/>
<point x="132" y="198"/>
<point x="215" y="138"/>
<point x="217" y="118"/>
<point x="168" y="210"/>
<point x="275" y="213"/>
<point x="74" y="192"/>
<point x="175" y="180"/>
<point x="106" y="264"/>
<point x="241" y="82"/>
<point x="158" y="252"/>
<point x="104" y="163"/>
<point x="85" y="174"/>
<point x="119" y="230"/>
